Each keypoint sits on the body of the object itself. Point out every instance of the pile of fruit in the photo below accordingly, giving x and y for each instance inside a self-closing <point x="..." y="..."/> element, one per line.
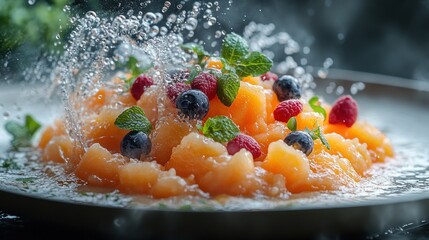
<point x="226" y="127"/>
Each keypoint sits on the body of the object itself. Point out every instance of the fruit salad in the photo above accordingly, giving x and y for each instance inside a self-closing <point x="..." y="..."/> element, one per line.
<point x="225" y="125"/>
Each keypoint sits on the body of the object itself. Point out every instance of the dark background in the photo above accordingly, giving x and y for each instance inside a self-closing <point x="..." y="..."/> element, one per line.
<point x="378" y="36"/>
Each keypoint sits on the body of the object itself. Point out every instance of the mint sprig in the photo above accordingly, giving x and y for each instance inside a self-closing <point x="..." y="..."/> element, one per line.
<point x="228" y="85"/>
<point x="238" y="58"/>
<point x="220" y="128"/>
<point x="315" y="105"/>
<point x="253" y="64"/>
<point x="134" y="119"/>
<point x="316" y="133"/>
<point x="22" y="135"/>
<point x="135" y="68"/>
<point x="234" y="48"/>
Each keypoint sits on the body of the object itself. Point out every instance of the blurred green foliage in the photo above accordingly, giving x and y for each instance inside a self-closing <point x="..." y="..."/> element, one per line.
<point x="36" y="24"/>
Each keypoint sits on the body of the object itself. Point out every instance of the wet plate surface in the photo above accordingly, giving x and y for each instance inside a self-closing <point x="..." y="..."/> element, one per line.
<point x="395" y="194"/>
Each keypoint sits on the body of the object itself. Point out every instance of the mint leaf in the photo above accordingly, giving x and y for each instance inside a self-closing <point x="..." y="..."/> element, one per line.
<point x="316" y="133"/>
<point x="253" y="64"/>
<point x="291" y="124"/>
<point x="197" y="49"/>
<point x="227" y="88"/>
<point x="22" y="134"/>
<point x="193" y="73"/>
<point x="134" y="119"/>
<point x="134" y="68"/>
<point x="315" y="105"/>
<point x="220" y="128"/>
<point x="233" y="48"/>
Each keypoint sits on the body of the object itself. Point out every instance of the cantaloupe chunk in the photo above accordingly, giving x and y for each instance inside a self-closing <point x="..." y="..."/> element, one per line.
<point x="291" y="163"/>
<point x="248" y="110"/>
<point x="195" y="155"/>
<point x="99" y="167"/>
<point x="168" y="133"/>
<point x="59" y="149"/>
<point x="102" y="129"/>
<point x="378" y="144"/>
<point x="276" y="131"/>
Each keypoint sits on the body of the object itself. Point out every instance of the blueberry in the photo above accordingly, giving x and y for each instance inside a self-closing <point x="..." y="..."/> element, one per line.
<point x="287" y="87"/>
<point x="301" y="141"/>
<point x="135" y="144"/>
<point x="193" y="104"/>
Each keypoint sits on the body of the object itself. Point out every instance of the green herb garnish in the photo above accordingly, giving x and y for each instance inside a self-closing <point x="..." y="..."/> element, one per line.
<point x="228" y="85"/>
<point x="22" y="134"/>
<point x="195" y="70"/>
<point x="238" y="57"/>
<point x="234" y="47"/>
<point x="253" y="64"/>
<point x="26" y="179"/>
<point x="9" y="163"/>
<point x="198" y="50"/>
<point x="135" y="68"/>
<point x="315" y="105"/>
<point x="291" y="124"/>
<point x="316" y="133"/>
<point x="220" y="128"/>
<point x="134" y="119"/>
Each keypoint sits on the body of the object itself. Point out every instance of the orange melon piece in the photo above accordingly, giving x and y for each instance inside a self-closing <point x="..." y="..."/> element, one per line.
<point x="169" y="186"/>
<point x="248" y="110"/>
<point x="378" y="144"/>
<point x="57" y="129"/>
<point x="271" y="103"/>
<point x="102" y="129"/>
<point x="309" y="120"/>
<point x="290" y="163"/>
<point x="214" y="63"/>
<point x="126" y="99"/>
<point x="251" y="80"/>
<point x="99" y="167"/>
<point x="59" y="149"/>
<point x="331" y="172"/>
<point x="149" y="103"/>
<point x="355" y="152"/>
<point x="99" y="99"/>
<point x="167" y="135"/>
<point x="276" y="131"/>
<point x="233" y="177"/>
<point x="195" y="155"/>
<point x="139" y="177"/>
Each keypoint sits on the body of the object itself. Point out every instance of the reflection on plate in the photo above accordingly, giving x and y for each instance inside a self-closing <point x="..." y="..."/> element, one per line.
<point x="396" y="193"/>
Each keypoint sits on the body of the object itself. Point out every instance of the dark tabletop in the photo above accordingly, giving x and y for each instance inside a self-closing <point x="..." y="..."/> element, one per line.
<point x="15" y="227"/>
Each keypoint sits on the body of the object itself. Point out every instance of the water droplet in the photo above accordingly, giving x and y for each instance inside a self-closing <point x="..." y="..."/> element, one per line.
<point x="218" y="34"/>
<point x="191" y="24"/>
<point x="209" y="5"/>
<point x="322" y="73"/>
<point x="211" y="21"/>
<point x="154" y="30"/>
<point x="167" y="5"/>
<point x="130" y="13"/>
<point x="340" y="90"/>
<point x="306" y="50"/>
<point x="91" y="15"/>
<point x="172" y="18"/>
<point x="328" y="63"/>
<point x="57" y="36"/>
<point x="149" y="18"/>
<point x="66" y="8"/>
<point x="340" y="36"/>
<point x="159" y="17"/>
<point x="191" y="34"/>
<point x="179" y="6"/>
<point x="163" y="31"/>
<point x="31" y="2"/>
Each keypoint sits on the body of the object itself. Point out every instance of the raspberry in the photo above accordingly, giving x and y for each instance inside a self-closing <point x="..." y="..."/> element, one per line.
<point x="268" y="76"/>
<point x="246" y="142"/>
<point x="344" y="111"/>
<point x="287" y="109"/>
<point x="176" y="89"/>
<point x="206" y="83"/>
<point x="141" y="83"/>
